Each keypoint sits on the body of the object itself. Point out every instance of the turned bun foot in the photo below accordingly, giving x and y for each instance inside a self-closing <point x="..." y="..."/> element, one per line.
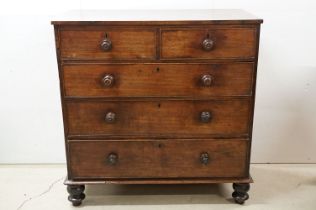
<point x="76" y="194"/>
<point x="240" y="194"/>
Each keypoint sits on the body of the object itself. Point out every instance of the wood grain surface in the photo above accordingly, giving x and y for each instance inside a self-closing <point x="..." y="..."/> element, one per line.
<point x="126" y="44"/>
<point x="158" y="118"/>
<point x="187" y="43"/>
<point x="158" y="80"/>
<point x="156" y="159"/>
<point x="156" y="122"/>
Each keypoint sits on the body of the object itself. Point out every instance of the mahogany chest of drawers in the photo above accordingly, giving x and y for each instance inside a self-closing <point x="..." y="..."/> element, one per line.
<point x="158" y="97"/>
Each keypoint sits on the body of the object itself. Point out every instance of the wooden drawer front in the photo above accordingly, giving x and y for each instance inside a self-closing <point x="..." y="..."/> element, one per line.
<point x="158" y="80"/>
<point x="227" y="43"/>
<point x="126" y="44"/>
<point x="158" y="158"/>
<point x="158" y="118"/>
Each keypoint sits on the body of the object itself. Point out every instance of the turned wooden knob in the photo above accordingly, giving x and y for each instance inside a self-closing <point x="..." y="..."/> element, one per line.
<point x="112" y="158"/>
<point x="208" y="44"/>
<point x="108" y="80"/>
<point x="204" y="158"/>
<point x="110" y="117"/>
<point x="206" y="80"/>
<point x="106" y="44"/>
<point x="205" y="116"/>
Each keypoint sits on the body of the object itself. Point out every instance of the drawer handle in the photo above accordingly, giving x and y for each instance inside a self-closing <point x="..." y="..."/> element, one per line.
<point x="208" y="43"/>
<point x="108" y="80"/>
<point x="112" y="159"/>
<point x="110" y="117"/>
<point x="204" y="158"/>
<point x="106" y="44"/>
<point x="205" y="116"/>
<point x="207" y="80"/>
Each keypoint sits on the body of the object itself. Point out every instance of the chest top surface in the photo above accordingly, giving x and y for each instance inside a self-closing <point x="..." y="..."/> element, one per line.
<point x="232" y="16"/>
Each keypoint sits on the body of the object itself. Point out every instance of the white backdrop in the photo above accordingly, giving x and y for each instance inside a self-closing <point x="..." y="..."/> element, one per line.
<point x="30" y="113"/>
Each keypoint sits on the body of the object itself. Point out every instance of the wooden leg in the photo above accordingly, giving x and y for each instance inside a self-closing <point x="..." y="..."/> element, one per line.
<point x="76" y="194"/>
<point x="240" y="194"/>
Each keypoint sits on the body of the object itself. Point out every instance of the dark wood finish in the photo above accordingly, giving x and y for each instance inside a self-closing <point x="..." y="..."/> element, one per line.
<point x="158" y="23"/>
<point x="206" y="80"/>
<point x="208" y="43"/>
<point x="125" y="44"/>
<point x="106" y="44"/>
<point x="225" y="43"/>
<point x="158" y="159"/>
<point x="204" y="158"/>
<point x="76" y="195"/>
<point x="108" y="80"/>
<point x="159" y="118"/>
<point x="133" y="181"/>
<point x="110" y="117"/>
<point x="158" y="80"/>
<point x="240" y="194"/>
<point x="158" y="102"/>
<point x="156" y="18"/>
<point x="112" y="159"/>
<point x="205" y="116"/>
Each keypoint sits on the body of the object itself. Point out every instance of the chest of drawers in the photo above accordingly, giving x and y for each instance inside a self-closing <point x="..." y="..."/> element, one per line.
<point x="157" y="97"/>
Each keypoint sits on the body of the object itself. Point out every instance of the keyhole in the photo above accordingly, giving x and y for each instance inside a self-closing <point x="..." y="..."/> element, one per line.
<point x="159" y="105"/>
<point x="207" y="35"/>
<point x="157" y="69"/>
<point x="106" y="35"/>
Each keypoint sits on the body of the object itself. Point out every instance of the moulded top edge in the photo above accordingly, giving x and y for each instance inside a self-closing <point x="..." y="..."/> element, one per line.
<point x="145" y="17"/>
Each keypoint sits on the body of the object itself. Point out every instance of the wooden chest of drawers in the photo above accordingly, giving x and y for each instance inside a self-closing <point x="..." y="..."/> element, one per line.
<point x="158" y="97"/>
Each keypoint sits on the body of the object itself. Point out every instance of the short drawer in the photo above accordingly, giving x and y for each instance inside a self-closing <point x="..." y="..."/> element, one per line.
<point x="107" y="44"/>
<point x="163" y="80"/>
<point x="158" y="118"/>
<point x="208" y="43"/>
<point x="158" y="158"/>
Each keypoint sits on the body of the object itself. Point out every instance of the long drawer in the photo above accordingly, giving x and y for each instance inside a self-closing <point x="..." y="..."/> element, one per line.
<point x="159" y="118"/>
<point x="158" y="80"/>
<point x="158" y="159"/>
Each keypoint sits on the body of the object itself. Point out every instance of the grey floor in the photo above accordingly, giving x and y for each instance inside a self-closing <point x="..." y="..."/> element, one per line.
<point x="276" y="186"/>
